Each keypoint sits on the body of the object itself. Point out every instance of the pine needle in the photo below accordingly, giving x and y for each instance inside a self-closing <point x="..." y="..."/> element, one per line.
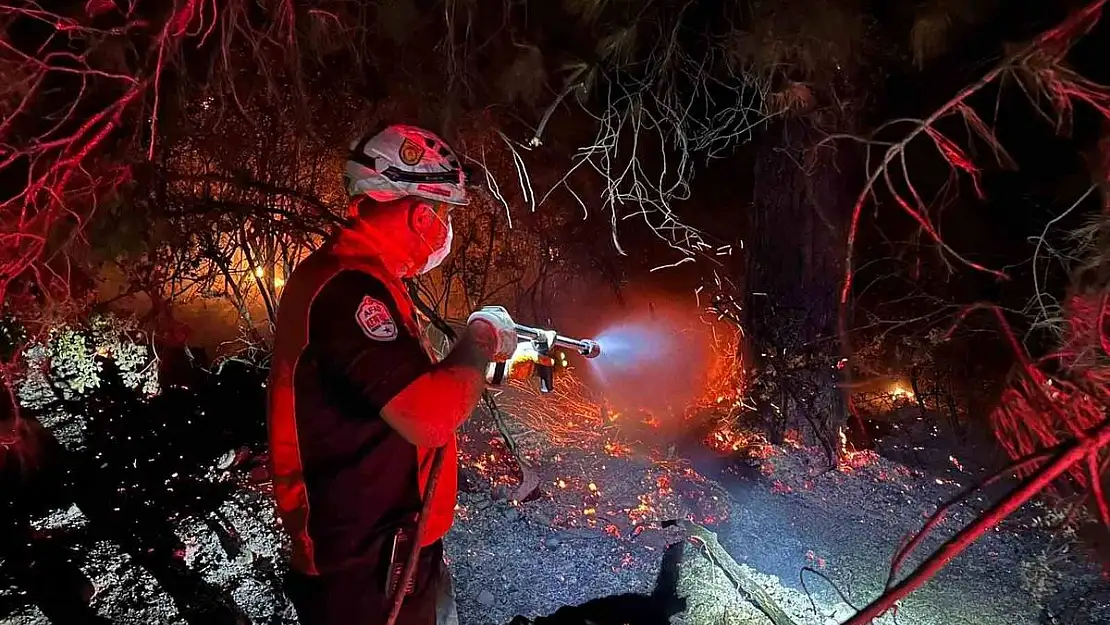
<point x="929" y="37"/>
<point x="618" y="47"/>
<point x="589" y="11"/>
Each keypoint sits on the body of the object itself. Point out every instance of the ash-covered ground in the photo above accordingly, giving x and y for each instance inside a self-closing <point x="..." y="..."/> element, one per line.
<point x="594" y="530"/>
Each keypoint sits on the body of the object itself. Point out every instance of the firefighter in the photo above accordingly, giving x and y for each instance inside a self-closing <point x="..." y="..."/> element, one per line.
<point x="357" y="403"/>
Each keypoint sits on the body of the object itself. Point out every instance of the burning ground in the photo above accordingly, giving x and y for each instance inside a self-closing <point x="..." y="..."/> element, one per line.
<point x="820" y="541"/>
<point x="595" y="528"/>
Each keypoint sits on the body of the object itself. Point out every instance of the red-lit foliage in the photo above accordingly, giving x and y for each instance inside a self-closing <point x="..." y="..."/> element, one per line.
<point x="96" y="97"/>
<point x="1042" y="410"/>
<point x="53" y="152"/>
<point x="1040" y="67"/>
<point x="1053" y="419"/>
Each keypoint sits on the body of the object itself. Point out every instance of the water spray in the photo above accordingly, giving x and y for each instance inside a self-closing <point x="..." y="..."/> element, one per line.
<point x="631" y="345"/>
<point x="654" y="363"/>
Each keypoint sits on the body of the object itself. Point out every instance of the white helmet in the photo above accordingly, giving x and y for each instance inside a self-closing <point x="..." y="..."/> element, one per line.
<point x="403" y="161"/>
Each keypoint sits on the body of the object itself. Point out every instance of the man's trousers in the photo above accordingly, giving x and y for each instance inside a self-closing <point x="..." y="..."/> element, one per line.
<point x="357" y="596"/>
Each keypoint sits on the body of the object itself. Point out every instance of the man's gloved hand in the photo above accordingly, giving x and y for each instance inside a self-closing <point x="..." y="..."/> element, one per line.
<point x="525" y="360"/>
<point x="521" y="366"/>
<point x="502" y="331"/>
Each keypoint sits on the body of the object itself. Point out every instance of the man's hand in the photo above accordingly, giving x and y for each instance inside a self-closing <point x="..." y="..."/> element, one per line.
<point x="521" y="366"/>
<point x="495" y="331"/>
<point x="429" y="409"/>
<point x="524" y="361"/>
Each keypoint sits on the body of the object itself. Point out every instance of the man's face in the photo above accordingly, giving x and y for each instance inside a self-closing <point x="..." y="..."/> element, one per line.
<point x="431" y="223"/>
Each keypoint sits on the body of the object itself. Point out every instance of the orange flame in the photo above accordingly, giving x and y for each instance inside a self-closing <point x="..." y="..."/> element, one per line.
<point x="725" y="380"/>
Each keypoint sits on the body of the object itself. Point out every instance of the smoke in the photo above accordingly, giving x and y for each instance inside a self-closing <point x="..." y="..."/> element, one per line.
<point x="654" y="358"/>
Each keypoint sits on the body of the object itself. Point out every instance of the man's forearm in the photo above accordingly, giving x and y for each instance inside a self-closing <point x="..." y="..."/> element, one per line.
<point x="427" y="412"/>
<point x="471" y="351"/>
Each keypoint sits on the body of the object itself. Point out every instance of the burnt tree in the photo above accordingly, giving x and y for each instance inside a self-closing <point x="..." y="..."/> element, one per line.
<point x="794" y="255"/>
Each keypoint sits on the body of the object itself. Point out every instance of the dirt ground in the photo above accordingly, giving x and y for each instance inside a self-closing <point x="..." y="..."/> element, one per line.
<point x="819" y="542"/>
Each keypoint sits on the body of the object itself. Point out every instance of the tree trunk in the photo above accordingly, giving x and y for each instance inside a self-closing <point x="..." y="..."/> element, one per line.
<point x="795" y="249"/>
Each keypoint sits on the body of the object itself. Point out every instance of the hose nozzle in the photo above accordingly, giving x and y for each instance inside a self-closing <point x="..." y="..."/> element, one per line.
<point x="590" y="348"/>
<point x="586" y="347"/>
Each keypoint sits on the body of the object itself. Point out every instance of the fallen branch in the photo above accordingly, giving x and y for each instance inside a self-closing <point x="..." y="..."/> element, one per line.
<point x="747" y="587"/>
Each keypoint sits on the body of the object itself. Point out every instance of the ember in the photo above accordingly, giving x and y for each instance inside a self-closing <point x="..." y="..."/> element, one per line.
<point x="725" y="439"/>
<point x="608" y="468"/>
<point x="724" y="380"/>
<point x="599" y="482"/>
<point x="848" y="459"/>
<point x="567" y="416"/>
<point x="617" y="450"/>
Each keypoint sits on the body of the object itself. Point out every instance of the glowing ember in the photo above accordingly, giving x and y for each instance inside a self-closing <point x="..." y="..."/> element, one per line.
<point x="574" y="430"/>
<point x="724" y="384"/>
<point x="900" y="392"/>
<point x="616" y="449"/>
<point x="848" y="459"/>
<point x="664" y="484"/>
<point x="643" y="513"/>
<point x="724" y="439"/>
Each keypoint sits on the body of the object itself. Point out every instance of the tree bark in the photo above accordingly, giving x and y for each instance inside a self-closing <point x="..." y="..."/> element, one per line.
<point x="795" y="248"/>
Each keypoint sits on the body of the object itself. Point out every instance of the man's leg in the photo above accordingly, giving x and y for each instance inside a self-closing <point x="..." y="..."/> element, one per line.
<point x="356" y="596"/>
<point x="446" y="610"/>
<point x="341" y="598"/>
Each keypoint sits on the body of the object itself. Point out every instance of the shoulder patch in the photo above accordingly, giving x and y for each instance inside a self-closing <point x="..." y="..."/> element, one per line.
<point x="375" y="321"/>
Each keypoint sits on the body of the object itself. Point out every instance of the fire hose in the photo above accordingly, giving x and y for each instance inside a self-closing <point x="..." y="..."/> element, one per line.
<point x="414" y="552"/>
<point x="544" y="341"/>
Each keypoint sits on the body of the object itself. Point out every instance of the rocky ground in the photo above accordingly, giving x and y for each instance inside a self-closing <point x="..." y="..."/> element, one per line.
<point x="819" y="540"/>
<point x="593" y="536"/>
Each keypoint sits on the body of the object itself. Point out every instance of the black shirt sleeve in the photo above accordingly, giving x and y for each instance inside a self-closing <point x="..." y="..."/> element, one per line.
<point x="357" y="334"/>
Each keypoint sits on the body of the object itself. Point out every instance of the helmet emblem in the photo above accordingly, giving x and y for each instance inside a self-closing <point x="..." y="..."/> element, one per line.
<point x="410" y="152"/>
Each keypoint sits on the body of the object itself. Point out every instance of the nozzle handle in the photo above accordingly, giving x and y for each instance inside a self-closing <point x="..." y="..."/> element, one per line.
<point x="586" y="347"/>
<point x="547" y="379"/>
